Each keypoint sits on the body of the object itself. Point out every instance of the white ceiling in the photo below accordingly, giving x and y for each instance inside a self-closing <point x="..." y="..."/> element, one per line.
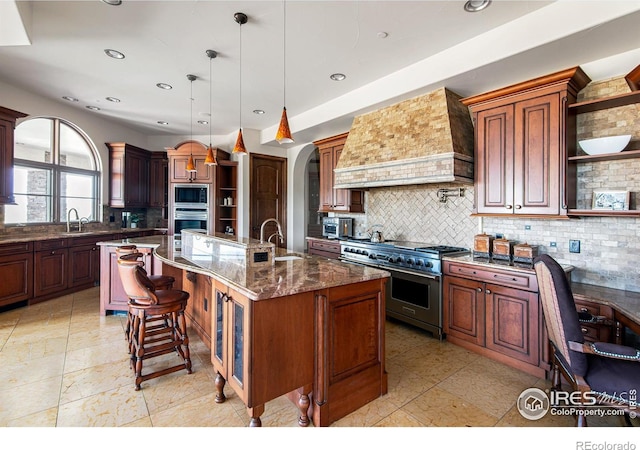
<point x="429" y="44"/>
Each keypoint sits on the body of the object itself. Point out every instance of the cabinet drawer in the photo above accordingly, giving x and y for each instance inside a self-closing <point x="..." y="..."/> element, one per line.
<point x="51" y="244"/>
<point x="18" y="247"/>
<point x="587" y="308"/>
<point x="326" y="245"/>
<point x="490" y="275"/>
<point x="590" y="333"/>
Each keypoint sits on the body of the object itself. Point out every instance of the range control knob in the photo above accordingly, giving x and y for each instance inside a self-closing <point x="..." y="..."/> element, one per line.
<point x="372" y="256"/>
<point x="410" y="261"/>
<point x="428" y="264"/>
<point x="419" y="262"/>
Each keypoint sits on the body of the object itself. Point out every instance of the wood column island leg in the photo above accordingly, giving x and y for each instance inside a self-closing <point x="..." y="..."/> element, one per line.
<point x="323" y="349"/>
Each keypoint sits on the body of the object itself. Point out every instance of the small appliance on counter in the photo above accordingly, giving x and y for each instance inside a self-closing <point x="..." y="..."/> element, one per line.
<point x="337" y="227"/>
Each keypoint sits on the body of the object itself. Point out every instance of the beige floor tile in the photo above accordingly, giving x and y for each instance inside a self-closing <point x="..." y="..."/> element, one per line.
<point x="17" y="401"/>
<point x="97" y="355"/>
<point x="46" y="418"/>
<point x="167" y="391"/>
<point x="94" y="380"/>
<point x="405" y="384"/>
<point x="30" y="371"/>
<point x="399" y="418"/>
<point x="13" y="353"/>
<point x="439" y="408"/>
<point x="368" y="415"/>
<point x="112" y="408"/>
<point x="199" y="412"/>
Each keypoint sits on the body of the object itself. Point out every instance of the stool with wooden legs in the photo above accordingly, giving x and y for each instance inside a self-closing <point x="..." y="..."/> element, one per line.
<point x="146" y="304"/>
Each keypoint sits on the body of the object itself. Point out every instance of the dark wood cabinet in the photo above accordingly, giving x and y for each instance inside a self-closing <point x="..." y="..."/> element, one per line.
<point x="84" y="262"/>
<point x="8" y="119"/>
<point x="200" y="302"/>
<point x="523" y="135"/>
<point x="324" y="247"/>
<point x="495" y="312"/>
<point x="50" y="261"/>
<point x="129" y="175"/>
<point x="16" y="266"/>
<point x="159" y="180"/>
<point x="335" y="200"/>
<point x="179" y="157"/>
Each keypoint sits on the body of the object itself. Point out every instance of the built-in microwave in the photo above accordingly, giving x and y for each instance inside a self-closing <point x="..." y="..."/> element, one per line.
<point x="190" y="195"/>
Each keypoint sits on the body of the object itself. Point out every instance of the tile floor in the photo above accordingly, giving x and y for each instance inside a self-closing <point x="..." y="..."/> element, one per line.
<point x="62" y="365"/>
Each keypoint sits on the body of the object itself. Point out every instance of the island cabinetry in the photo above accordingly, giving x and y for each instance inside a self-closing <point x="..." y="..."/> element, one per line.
<point x="50" y="262"/>
<point x="324" y="247"/>
<point x="112" y="294"/>
<point x="200" y="289"/>
<point x="521" y="145"/>
<point x="16" y="266"/>
<point x="350" y="354"/>
<point x="8" y="119"/>
<point x="494" y="312"/>
<point x="129" y="175"/>
<point x="340" y="200"/>
<point x="263" y="349"/>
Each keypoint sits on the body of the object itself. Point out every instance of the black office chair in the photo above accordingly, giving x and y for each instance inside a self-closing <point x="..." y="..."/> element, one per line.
<point x="610" y="372"/>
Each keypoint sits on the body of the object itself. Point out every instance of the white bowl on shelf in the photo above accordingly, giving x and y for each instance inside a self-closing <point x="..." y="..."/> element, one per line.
<point x="604" y="145"/>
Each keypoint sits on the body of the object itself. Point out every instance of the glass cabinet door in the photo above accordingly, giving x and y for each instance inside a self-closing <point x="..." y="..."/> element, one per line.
<point x="217" y="332"/>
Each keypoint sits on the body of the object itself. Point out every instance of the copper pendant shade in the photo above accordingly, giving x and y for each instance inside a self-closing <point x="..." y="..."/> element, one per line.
<point x="191" y="167"/>
<point x="283" y="136"/>
<point x="241" y="19"/>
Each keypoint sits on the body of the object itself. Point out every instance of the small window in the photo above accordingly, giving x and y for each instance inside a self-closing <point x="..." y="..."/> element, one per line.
<point x="56" y="168"/>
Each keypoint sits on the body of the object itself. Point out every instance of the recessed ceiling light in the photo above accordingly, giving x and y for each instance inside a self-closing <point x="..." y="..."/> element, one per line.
<point x="70" y="99"/>
<point x="113" y="2"/>
<point x="382" y="34"/>
<point x="93" y="108"/>
<point x="476" y="5"/>
<point x="114" y="53"/>
<point x="203" y="122"/>
<point x="113" y="99"/>
<point x="164" y="86"/>
<point x="162" y="122"/>
<point x="337" y="76"/>
<point x="258" y="111"/>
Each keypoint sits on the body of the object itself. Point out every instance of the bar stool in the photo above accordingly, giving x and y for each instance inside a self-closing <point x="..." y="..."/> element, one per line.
<point x="160" y="282"/>
<point x="146" y="304"/>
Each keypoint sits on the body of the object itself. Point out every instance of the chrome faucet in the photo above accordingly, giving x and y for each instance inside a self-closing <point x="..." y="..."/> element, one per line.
<point x="81" y="221"/>
<point x="69" y="219"/>
<point x="278" y="233"/>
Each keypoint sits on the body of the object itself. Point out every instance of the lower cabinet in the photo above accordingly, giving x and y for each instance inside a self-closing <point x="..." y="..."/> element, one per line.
<point x="16" y="266"/>
<point x="496" y="313"/>
<point x="199" y="304"/>
<point x="84" y="263"/>
<point x="50" y="261"/>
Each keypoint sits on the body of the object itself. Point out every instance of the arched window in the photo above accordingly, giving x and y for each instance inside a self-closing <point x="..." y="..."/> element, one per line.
<point x="56" y="168"/>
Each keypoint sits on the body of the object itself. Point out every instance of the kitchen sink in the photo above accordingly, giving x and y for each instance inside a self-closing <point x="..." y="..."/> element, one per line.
<point x="288" y="258"/>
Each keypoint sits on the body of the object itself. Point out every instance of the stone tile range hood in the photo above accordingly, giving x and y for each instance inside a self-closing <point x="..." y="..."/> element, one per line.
<point x="426" y="139"/>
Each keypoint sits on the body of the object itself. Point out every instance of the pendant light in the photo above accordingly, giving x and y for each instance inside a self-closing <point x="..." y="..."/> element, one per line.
<point x="283" y="136"/>
<point x="211" y="159"/>
<point x="240" y="18"/>
<point x="191" y="167"/>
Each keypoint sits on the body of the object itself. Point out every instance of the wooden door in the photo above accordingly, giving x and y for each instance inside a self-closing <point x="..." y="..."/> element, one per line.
<point x="464" y="309"/>
<point x="494" y="160"/>
<point x="537" y="156"/>
<point x="268" y="195"/>
<point x="512" y="323"/>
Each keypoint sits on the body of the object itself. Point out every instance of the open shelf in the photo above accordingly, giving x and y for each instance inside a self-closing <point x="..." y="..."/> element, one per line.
<point x="627" y="154"/>
<point x="603" y="213"/>
<point x="614" y="101"/>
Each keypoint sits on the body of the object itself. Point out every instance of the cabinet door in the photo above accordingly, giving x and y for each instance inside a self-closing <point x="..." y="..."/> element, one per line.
<point x="326" y="179"/>
<point x="158" y="183"/>
<point x="537" y="156"/>
<point x="8" y="119"/>
<point x="464" y="309"/>
<point x="84" y="265"/>
<point x="199" y="304"/>
<point x="218" y="328"/>
<point x="51" y="269"/>
<point x="136" y="180"/>
<point x="17" y="278"/>
<point x="238" y="345"/>
<point x="494" y="160"/>
<point x="178" y="170"/>
<point x="340" y="196"/>
<point x="512" y="323"/>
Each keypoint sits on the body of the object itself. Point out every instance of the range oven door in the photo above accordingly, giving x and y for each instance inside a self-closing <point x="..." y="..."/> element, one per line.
<point x="415" y="299"/>
<point x="189" y="219"/>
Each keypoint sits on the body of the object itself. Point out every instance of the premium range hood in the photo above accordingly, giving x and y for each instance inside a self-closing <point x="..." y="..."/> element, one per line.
<point x="426" y="139"/>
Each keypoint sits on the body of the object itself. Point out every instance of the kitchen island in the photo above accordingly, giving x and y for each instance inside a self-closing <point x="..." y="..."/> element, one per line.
<point x="304" y="326"/>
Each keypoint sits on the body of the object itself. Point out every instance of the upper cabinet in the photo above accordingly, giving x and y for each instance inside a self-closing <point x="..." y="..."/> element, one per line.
<point x="158" y="184"/>
<point x="129" y="172"/>
<point x="522" y="134"/>
<point x="335" y="200"/>
<point x="179" y="157"/>
<point x="8" y="119"/>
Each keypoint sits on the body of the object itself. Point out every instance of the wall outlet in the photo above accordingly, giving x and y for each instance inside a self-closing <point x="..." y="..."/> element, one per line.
<point x="527" y="227"/>
<point x="553" y="244"/>
<point x="574" y="246"/>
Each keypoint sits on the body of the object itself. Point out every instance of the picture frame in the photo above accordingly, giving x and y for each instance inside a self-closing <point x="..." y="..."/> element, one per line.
<point x="610" y="200"/>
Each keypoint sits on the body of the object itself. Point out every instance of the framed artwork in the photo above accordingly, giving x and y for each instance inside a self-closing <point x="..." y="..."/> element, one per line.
<point x="611" y="200"/>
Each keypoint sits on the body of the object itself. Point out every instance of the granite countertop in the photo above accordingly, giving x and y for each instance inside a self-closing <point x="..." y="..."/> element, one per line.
<point x="309" y="273"/>
<point x="30" y="237"/>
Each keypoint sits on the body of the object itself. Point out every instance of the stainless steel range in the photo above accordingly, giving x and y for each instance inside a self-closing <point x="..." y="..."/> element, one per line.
<point x="414" y="293"/>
